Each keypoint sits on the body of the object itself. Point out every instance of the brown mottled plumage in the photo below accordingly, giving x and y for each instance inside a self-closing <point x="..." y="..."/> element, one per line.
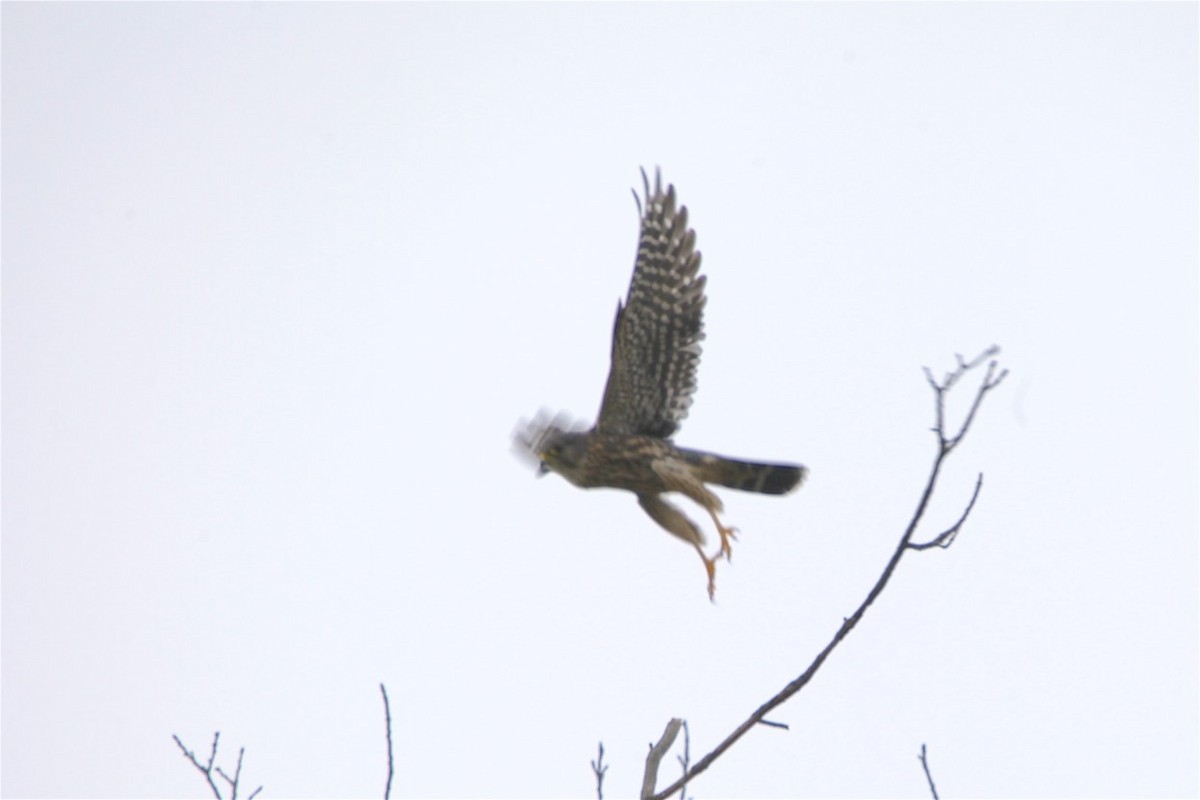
<point x="655" y="353"/>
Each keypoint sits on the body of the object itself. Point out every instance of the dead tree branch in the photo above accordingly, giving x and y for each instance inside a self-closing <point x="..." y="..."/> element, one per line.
<point x="655" y="757"/>
<point x="208" y="769"/>
<point x="946" y="444"/>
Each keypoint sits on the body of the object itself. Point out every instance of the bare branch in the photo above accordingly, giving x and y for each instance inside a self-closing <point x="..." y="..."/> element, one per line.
<point x="206" y="770"/>
<point x="598" y="769"/>
<point x="657" y="751"/>
<point x="209" y="769"/>
<point x="928" y="777"/>
<point x="945" y="446"/>
<point x="387" y="716"/>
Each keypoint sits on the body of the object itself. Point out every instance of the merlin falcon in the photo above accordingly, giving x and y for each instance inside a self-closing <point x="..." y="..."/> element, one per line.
<point x="651" y="380"/>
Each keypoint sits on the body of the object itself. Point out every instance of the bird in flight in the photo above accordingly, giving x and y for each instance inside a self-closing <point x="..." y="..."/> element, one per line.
<point x="651" y="380"/>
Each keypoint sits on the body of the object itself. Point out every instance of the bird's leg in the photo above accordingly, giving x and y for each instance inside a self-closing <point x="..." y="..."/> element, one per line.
<point x="710" y="566"/>
<point x="675" y="523"/>
<point x="727" y="534"/>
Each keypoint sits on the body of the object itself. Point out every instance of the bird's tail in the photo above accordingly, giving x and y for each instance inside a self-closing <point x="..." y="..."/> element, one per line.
<point x="746" y="476"/>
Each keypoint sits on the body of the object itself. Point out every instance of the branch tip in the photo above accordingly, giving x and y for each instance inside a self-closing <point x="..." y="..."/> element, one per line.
<point x="928" y="777"/>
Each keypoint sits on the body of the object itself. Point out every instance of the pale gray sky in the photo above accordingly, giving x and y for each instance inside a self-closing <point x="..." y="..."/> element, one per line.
<point x="279" y="280"/>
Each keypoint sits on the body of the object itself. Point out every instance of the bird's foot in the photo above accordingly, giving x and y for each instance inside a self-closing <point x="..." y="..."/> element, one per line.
<point x="727" y="535"/>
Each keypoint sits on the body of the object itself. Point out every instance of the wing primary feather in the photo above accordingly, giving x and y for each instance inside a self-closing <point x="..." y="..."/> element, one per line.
<point x="658" y="328"/>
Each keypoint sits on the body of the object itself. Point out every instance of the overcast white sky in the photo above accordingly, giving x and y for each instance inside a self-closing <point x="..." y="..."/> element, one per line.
<point x="279" y="280"/>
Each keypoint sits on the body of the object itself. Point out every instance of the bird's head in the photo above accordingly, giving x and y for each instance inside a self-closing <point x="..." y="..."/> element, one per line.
<point x="558" y="444"/>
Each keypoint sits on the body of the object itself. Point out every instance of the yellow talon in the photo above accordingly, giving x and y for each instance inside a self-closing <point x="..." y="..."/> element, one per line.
<point x="727" y="534"/>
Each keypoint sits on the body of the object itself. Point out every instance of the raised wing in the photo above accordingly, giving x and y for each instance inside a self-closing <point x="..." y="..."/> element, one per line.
<point x="658" y="329"/>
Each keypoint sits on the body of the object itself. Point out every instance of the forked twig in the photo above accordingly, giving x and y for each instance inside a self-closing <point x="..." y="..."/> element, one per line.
<point x="208" y="770"/>
<point x="598" y="769"/>
<point x="946" y="537"/>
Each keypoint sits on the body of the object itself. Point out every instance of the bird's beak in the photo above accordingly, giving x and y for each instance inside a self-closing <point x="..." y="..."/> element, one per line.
<point x="542" y="468"/>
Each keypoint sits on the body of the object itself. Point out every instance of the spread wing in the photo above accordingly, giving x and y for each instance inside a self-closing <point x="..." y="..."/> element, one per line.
<point x="657" y="332"/>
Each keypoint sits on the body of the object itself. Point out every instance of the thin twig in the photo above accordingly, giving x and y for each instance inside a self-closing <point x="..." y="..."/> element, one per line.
<point x="945" y="446"/>
<point x="237" y="774"/>
<point x="928" y="777"/>
<point x="387" y="717"/>
<point x="946" y="537"/>
<point x="657" y="751"/>
<point x="598" y="769"/>
<point x="684" y="760"/>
